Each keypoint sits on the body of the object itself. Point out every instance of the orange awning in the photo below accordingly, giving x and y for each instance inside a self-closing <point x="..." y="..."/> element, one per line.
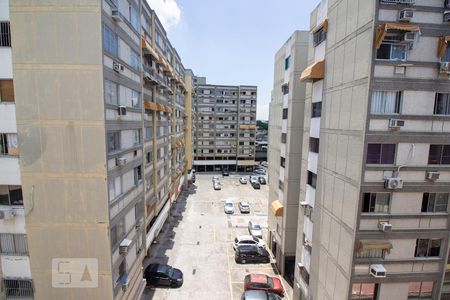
<point x="150" y="105"/>
<point x="159" y="107"/>
<point x="323" y="25"/>
<point x="443" y="40"/>
<point x="316" y="71"/>
<point x="243" y="127"/>
<point x="277" y="208"/>
<point x="167" y="109"/>
<point x="149" y="48"/>
<point x="252" y="127"/>
<point x="383" y="28"/>
<point x="174" y="145"/>
<point x="365" y="245"/>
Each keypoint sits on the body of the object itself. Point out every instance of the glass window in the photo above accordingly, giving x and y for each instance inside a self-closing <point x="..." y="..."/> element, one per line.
<point x="285" y="113"/>
<point x="11" y="195"/>
<point x="312" y="179"/>
<point x="134" y="18"/>
<point x="386" y="102"/>
<point x="136" y="137"/>
<point x="117" y="232"/>
<point x="376" y="202"/>
<point x="135" y="60"/>
<point x="442" y="104"/>
<point x="420" y="290"/>
<point x="316" y="110"/>
<point x="427" y="247"/>
<point x="137" y="175"/>
<point x="380" y="154"/>
<point x="110" y="41"/>
<point x="283" y="138"/>
<point x="439" y="155"/>
<point x="5" y="34"/>
<point x="319" y="36"/>
<point x="285" y="88"/>
<point x="435" y="202"/>
<point x="113" y="141"/>
<point x="391" y="52"/>
<point x="366" y="291"/>
<point x="446" y="57"/>
<point x="111" y="92"/>
<point x="283" y="162"/>
<point x="314" y="145"/>
<point x="287" y="62"/>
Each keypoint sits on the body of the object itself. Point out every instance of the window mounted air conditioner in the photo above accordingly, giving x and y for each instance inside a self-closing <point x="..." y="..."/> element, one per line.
<point x="122" y="110"/>
<point x="447" y="16"/>
<point x="431" y="175"/>
<point x="445" y="68"/>
<point x="396" y="123"/>
<point x="115" y="14"/>
<point x="406" y="15"/>
<point x="124" y="246"/>
<point x="121" y="161"/>
<point x="377" y="271"/>
<point x="394" y="183"/>
<point x="118" y="67"/>
<point x="7" y="214"/>
<point x="409" y="37"/>
<point x="384" y="226"/>
<point x="125" y="282"/>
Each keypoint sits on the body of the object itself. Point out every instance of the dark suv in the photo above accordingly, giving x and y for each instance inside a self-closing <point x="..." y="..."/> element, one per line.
<point x="251" y="254"/>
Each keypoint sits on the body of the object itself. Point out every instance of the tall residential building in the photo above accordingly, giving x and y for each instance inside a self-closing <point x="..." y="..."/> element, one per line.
<point x="225" y="127"/>
<point x="102" y="102"/>
<point x="14" y="258"/>
<point x="285" y="149"/>
<point x="374" y="220"/>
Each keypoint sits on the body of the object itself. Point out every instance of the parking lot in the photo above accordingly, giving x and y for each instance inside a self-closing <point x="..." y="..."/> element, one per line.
<point x="198" y="240"/>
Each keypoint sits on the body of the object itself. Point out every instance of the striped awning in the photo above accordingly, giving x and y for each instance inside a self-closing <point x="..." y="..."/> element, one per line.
<point x="277" y="208"/>
<point x="364" y="245"/>
<point x="316" y="71"/>
<point x="167" y="109"/>
<point x="159" y="107"/>
<point x="148" y="48"/>
<point x="383" y="28"/>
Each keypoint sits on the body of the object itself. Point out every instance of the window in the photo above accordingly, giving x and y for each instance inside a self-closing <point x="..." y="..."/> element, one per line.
<point x="111" y="92"/>
<point x="5" y="34"/>
<point x="148" y="133"/>
<point x="136" y="137"/>
<point x="371" y="253"/>
<point x="314" y="145"/>
<point x="285" y="88"/>
<point x="446" y="56"/>
<point x="117" y="231"/>
<point x="427" y="247"/>
<point x="13" y="244"/>
<point x="366" y="291"/>
<point x="17" y="288"/>
<point x="11" y="195"/>
<point x="149" y="157"/>
<point x="376" y="203"/>
<point x="319" y="36"/>
<point x="439" y="155"/>
<point x="6" y="90"/>
<point x="281" y="185"/>
<point x="283" y="138"/>
<point x="137" y="175"/>
<point x="285" y="113"/>
<point x="287" y="62"/>
<point x="420" y="290"/>
<point x="442" y="104"/>
<point x="113" y="141"/>
<point x="115" y="188"/>
<point x="135" y="60"/>
<point x="110" y="42"/>
<point x="9" y="144"/>
<point x="316" y="110"/>
<point x="390" y="51"/>
<point x="283" y="162"/>
<point x="435" y="202"/>
<point x="134" y="18"/>
<point x="386" y="102"/>
<point x="380" y="154"/>
<point x="312" y="179"/>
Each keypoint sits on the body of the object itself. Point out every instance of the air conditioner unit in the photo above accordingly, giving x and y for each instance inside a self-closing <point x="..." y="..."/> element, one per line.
<point x="385" y="226"/>
<point x="116" y="15"/>
<point x="409" y="37"/>
<point x="121" y="161"/>
<point x="394" y="183"/>
<point x="396" y="123"/>
<point x="431" y="175"/>
<point x="304" y="203"/>
<point x="124" y="245"/>
<point x="308" y="245"/>
<point x="125" y="282"/>
<point x="447" y="16"/>
<point x="445" y="68"/>
<point x="118" y="67"/>
<point x="377" y="271"/>
<point x="406" y="15"/>
<point x="122" y="110"/>
<point x="7" y="214"/>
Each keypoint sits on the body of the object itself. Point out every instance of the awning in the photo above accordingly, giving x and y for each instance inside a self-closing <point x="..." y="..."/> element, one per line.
<point x="364" y="245"/>
<point x="443" y="40"/>
<point x="179" y="143"/>
<point x="174" y="145"/>
<point x="150" y="105"/>
<point x="323" y="25"/>
<point x="316" y="71"/>
<point x="159" y="107"/>
<point x="167" y="109"/>
<point x="149" y="48"/>
<point x="243" y="127"/>
<point x="383" y="28"/>
<point x="251" y="126"/>
<point x="277" y="208"/>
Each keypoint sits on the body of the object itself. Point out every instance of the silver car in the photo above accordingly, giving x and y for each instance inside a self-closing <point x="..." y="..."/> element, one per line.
<point x="260" y="295"/>
<point x="255" y="229"/>
<point x="216" y="185"/>
<point x="244" y="207"/>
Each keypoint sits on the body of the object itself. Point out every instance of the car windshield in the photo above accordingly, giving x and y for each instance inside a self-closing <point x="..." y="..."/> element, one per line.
<point x="270" y="282"/>
<point x="256" y="239"/>
<point x="229" y="204"/>
<point x="256" y="227"/>
<point x="166" y="270"/>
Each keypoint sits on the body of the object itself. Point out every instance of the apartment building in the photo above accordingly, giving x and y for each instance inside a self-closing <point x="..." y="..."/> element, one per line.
<point x="101" y="111"/>
<point x="15" y="270"/>
<point x="225" y="123"/>
<point x="374" y="181"/>
<point x="286" y="116"/>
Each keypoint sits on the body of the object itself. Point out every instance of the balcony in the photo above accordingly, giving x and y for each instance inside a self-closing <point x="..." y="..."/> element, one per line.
<point x="407" y="2"/>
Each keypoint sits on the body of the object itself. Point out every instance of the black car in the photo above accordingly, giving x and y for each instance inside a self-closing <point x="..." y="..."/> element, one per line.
<point x="163" y="275"/>
<point x="261" y="180"/>
<point x="225" y="173"/>
<point x="256" y="185"/>
<point x="251" y="254"/>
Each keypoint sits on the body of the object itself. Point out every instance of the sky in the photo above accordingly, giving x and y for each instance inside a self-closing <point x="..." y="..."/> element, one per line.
<point x="233" y="41"/>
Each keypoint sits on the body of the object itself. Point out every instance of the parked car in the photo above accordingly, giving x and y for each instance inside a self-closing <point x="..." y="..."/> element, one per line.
<point x="256" y="185"/>
<point x="251" y="254"/>
<point x="260" y="171"/>
<point x="255" y="229"/>
<point x="245" y="240"/>
<point x="261" y="180"/>
<point x="229" y="207"/>
<point x="259" y="295"/>
<point x="263" y="282"/>
<point x="244" y="207"/>
<point x="163" y="275"/>
<point x="243" y="180"/>
<point x="215" y="178"/>
<point x="191" y="176"/>
<point x="253" y="178"/>
<point x="225" y="173"/>
<point x="216" y="185"/>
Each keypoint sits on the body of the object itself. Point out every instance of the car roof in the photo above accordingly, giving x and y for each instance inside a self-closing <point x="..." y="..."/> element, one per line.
<point x="255" y="295"/>
<point x="258" y="278"/>
<point x="157" y="267"/>
<point x="244" y="237"/>
<point x="244" y="202"/>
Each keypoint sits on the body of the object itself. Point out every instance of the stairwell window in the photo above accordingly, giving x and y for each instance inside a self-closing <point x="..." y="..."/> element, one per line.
<point x="439" y="155"/>
<point x="442" y="104"/>
<point x="283" y="138"/>
<point x="314" y="145"/>
<point x="283" y="162"/>
<point x="11" y="195"/>
<point x="434" y="202"/>
<point x="376" y="203"/>
<point x="383" y="154"/>
<point x="285" y="113"/>
<point x="384" y="102"/>
<point x="285" y="88"/>
<point x="316" y="110"/>
<point x="319" y="36"/>
<point x="427" y="247"/>
<point x="113" y="141"/>
<point x="312" y="179"/>
<point x="287" y="63"/>
<point x="111" y="93"/>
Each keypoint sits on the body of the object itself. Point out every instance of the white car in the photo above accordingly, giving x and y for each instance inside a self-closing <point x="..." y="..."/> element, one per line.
<point x="216" y="185"/>
<point x="247" y="240"/>
<point x="243" y="180"/>
<point x="229" y="207"/>
<point x="215" y="178"/>
<point x="244" y="207"/>
<point x="255" y="229"/>
<point x="253" y="179"/>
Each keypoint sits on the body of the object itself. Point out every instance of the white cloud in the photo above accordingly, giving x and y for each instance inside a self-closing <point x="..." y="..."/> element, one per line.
<point x="168" y="11"/>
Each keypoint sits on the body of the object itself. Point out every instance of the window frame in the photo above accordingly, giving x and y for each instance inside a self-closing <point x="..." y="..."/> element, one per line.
<point x="316" y="109"/>
<point x="442" y="159"/>
<point x="447" y="104"/>
<point x="380" y="155"/>
<point x="8" y="188"/>
<point x="391" y="46"/>
<point x="5" y="34"/>
<point x="430" y="203"/>
<point x="311" y="179"/>
<point x="429" y="248"/>
<point x="420" y="292"/>
<point x="398" y="103"/>
<point x="314" y="145"/>
<point x="375" y="203"/>
<point x="117" y="143"/>
<point x="319" y="36"/>
<point x="110" y="40"/>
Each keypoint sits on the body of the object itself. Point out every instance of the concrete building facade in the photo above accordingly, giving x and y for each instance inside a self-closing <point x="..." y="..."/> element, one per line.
<point x="102" y="107"/>
<point x="225" y="119"/>
<point x="373" y="204"/>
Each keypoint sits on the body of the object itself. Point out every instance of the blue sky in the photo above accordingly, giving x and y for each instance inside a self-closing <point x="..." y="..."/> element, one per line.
<point x="233" y="41"/>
